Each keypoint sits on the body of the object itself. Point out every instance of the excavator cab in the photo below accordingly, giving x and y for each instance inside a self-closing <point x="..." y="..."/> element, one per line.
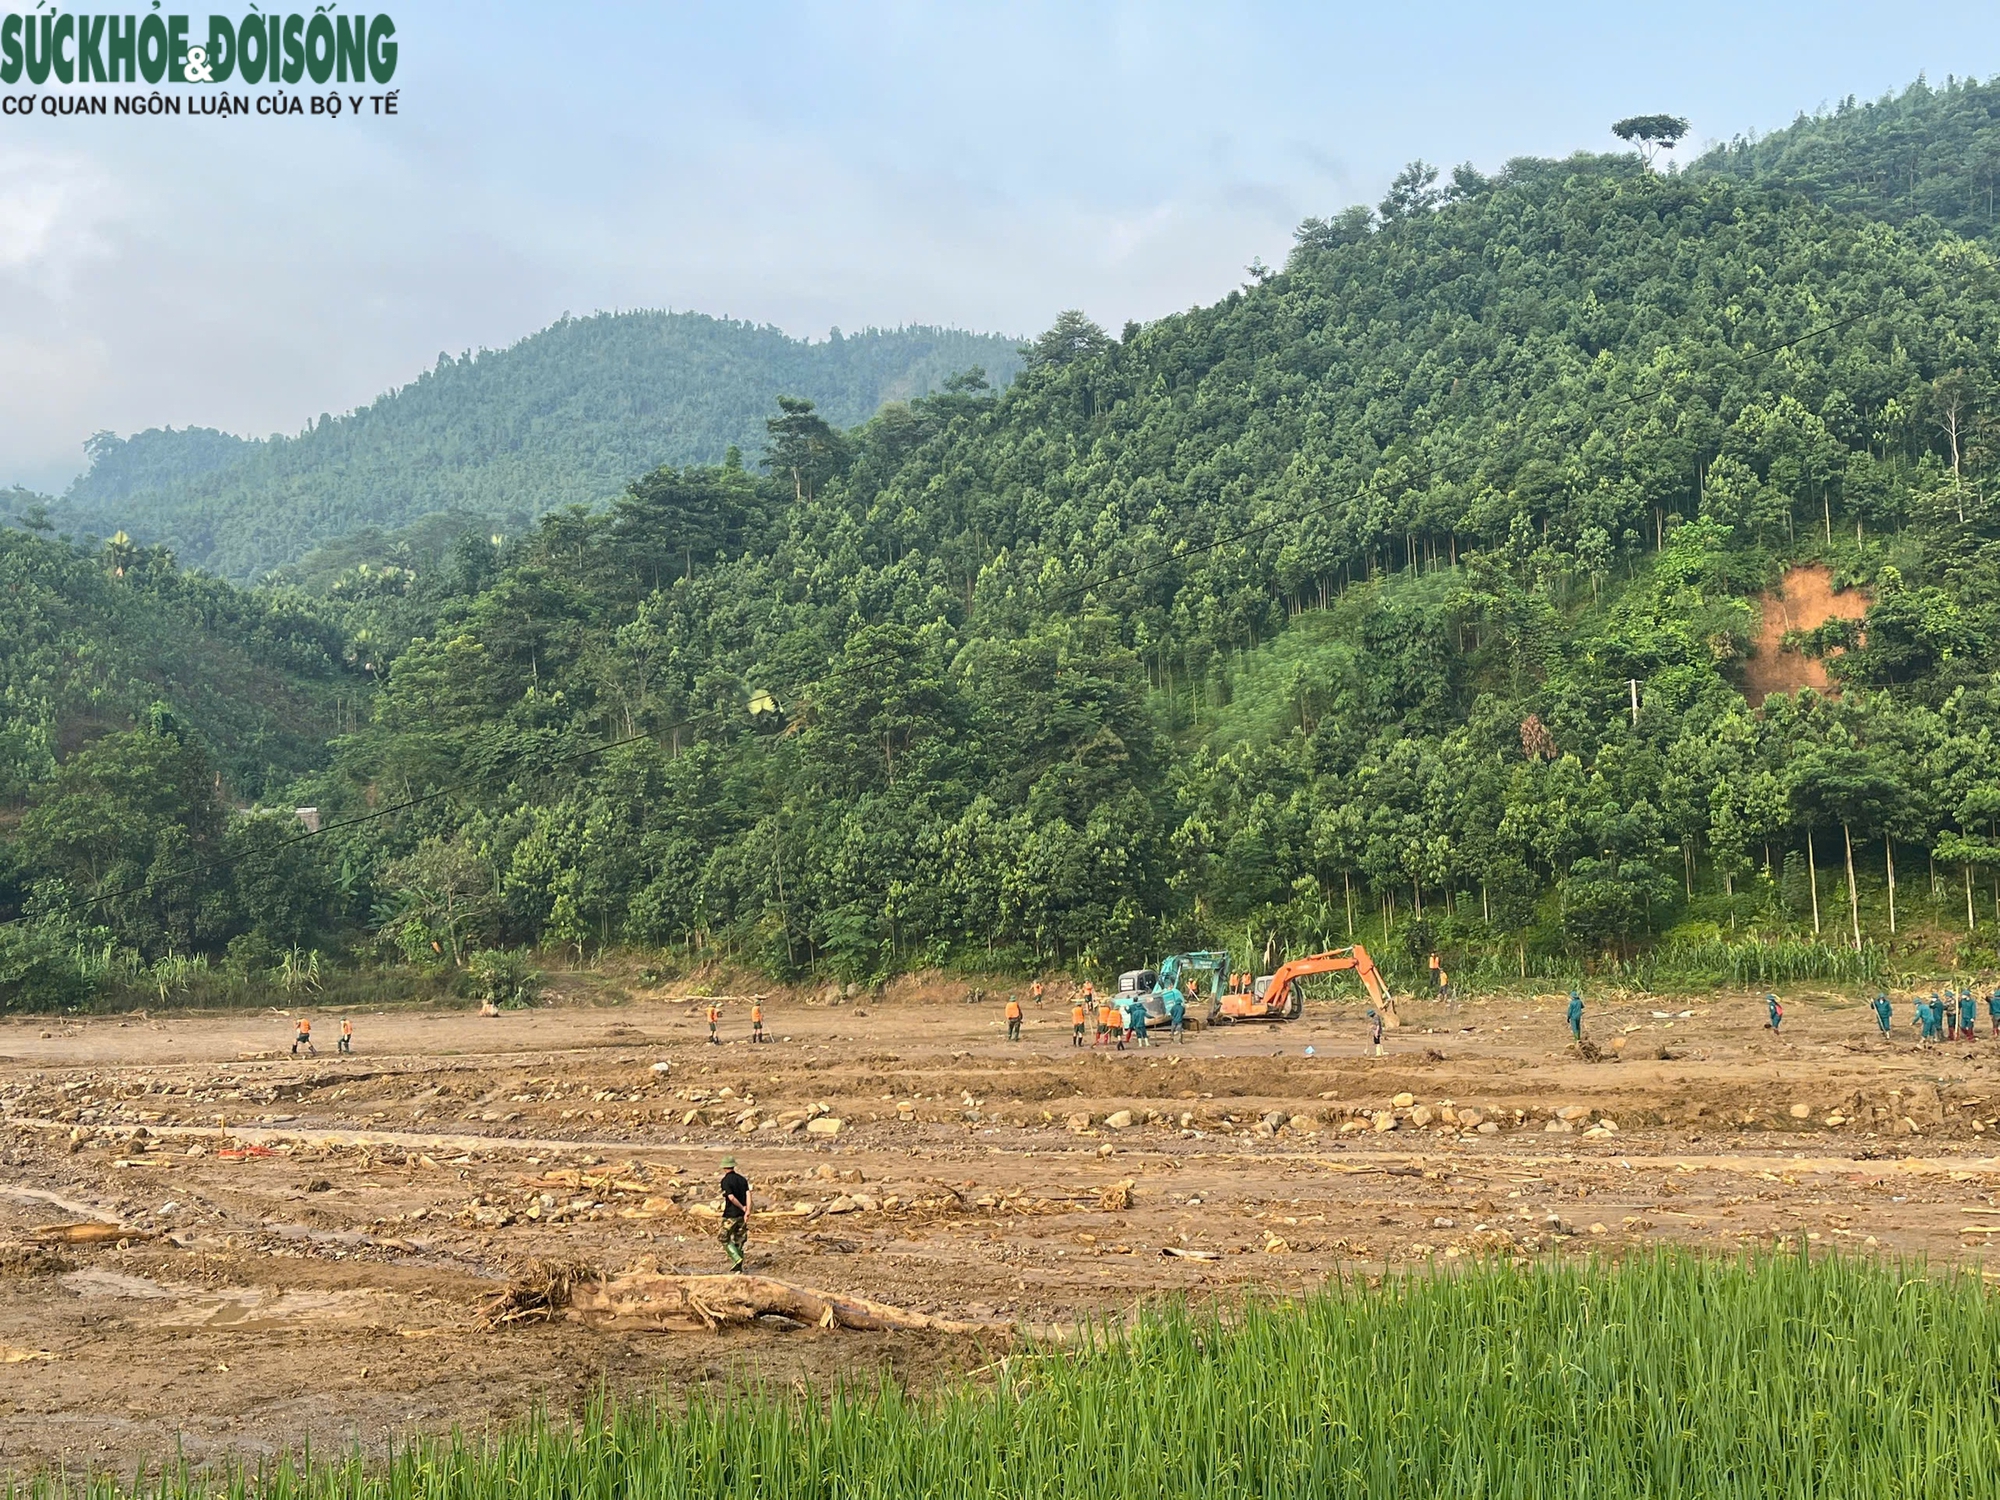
<point x="1201" y="977"/>
<point x="1279" y="997"/>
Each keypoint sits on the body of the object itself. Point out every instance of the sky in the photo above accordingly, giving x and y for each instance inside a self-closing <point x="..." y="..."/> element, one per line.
<point x="810" y="166"/>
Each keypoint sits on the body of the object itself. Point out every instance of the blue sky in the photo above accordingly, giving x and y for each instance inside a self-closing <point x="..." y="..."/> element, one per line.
<point x="810" y="165"/>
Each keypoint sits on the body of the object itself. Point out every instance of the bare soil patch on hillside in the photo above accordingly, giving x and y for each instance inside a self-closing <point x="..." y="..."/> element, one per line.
<point x="1804" y="600"/>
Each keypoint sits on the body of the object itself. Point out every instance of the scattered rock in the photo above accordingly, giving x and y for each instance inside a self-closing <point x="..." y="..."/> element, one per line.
<point x="1119" y="1119"/>
<point x="1572" y="1112"/>
<point x="1801" y="1111"/>
<point x="1487" y="1127"/>
<point x="1303" y="1123"/>
<point x="1272" y="1119"/>
<point x="1470" y="1118"/>
<point x="1404" y="1101"/>
<point x="824" y="1125"/>
<point x="1078" y="1122"/>
<point x="1421" y="1115"/>
<point x="1598" y="1229"/>
<point x="1384" y="1121"/>
<point x="1556" y="1127"/>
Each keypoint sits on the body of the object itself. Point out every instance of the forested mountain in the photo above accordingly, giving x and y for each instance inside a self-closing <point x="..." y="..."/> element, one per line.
<point x="564" y="417"/>
<point x="1927" y="151"/>
<point x="98" y="642"/>
<point x="156" y="459"/>
<point x="1424" y="589"/>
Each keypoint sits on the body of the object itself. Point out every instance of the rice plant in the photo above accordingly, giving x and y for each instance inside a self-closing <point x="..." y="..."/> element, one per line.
<point x="1665" y="1375"/>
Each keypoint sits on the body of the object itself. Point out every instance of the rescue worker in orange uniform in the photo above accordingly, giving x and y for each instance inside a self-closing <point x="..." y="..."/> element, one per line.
<point x="346" y="1035"/>
<point x="757" y="1019"/>
<point x="714" y="1020"/>
<point x="304" y="1038"/>
<point x="1013" y="1019"/>
<point x="1077" y="1016"/>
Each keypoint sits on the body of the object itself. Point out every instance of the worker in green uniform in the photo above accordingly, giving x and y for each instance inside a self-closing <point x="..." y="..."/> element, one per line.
<point x="1176" y="1004"/>
<point x="1968" y="1015"/>
<point x="1884" y="1013"/>
<point x="1993" y="1009"/>
<point x="1575" y="1016"/>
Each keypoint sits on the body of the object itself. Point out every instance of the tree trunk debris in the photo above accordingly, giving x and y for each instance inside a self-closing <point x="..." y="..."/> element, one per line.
<point x="695" y="1304"/>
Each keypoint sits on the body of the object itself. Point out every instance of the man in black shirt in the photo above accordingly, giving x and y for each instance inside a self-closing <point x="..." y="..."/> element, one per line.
<point x="735" y="1211"/>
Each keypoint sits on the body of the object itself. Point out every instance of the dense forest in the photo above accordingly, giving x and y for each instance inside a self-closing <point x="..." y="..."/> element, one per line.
<point x="1418" y="589"/>
<point x="564" y="417"/>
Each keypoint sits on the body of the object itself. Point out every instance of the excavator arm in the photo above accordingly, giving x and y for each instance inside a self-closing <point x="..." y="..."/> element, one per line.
<point x="1281" y="999"/>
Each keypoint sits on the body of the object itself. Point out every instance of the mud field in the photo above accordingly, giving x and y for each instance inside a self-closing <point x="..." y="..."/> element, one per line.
<point x="308" y="1242"/>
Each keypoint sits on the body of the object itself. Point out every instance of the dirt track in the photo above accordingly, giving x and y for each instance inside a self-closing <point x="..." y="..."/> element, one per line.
<point x="333" y="1224"/>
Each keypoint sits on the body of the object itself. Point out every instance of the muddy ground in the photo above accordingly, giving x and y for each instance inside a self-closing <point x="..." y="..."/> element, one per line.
<point x="329" y="1227"/>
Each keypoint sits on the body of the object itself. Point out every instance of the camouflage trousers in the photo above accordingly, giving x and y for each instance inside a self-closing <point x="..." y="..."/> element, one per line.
<point x="735" y="1235"/>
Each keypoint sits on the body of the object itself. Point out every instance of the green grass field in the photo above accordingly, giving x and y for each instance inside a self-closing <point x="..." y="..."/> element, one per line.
<point x="1665" y="1376"/>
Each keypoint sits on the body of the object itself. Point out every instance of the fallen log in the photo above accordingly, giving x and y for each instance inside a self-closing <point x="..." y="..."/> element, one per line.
<point x="693" y="1304"/>
<point x="88" y="1234"/>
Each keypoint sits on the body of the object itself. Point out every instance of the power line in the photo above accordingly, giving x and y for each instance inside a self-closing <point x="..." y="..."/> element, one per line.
<point x="1268" y="526"/>
<point x="376" y="814"/>
<point x="368" y="817"/>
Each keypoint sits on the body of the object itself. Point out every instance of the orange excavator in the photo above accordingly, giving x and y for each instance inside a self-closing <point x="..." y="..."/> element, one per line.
<point x="1277" y="997"/>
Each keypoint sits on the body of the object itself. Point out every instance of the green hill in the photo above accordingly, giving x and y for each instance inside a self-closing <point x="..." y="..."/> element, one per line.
<point x="1927" y="152"/>
<point x="87" y="649"/>
<point x="1415" y="592"/>
<point x="564" y="417"/>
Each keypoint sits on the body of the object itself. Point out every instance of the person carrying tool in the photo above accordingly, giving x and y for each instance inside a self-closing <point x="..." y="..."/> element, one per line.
<point x="757" y="1019"/>
<point x="1013" y="1019"/>
<point x="735" y="1212"/>
<point x="304" y="1038"/>
<point x="1077" y="1016"/>
<point x="1968" y="1015"/>
<point x="1776" y="1012"/>
<point x="1575" y="1016"/>
<point x="346" y="1043"/>
<point x="1375" y="1021"/>
<point x="1884" y="1013"/>
<point x="714" y="1022"/>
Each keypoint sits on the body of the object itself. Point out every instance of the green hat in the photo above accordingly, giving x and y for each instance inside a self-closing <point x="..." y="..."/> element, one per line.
<point x="729" y="1161"/>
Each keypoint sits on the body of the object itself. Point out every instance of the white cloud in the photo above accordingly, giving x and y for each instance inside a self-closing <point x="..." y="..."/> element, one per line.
<point x="54" y="207"/>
